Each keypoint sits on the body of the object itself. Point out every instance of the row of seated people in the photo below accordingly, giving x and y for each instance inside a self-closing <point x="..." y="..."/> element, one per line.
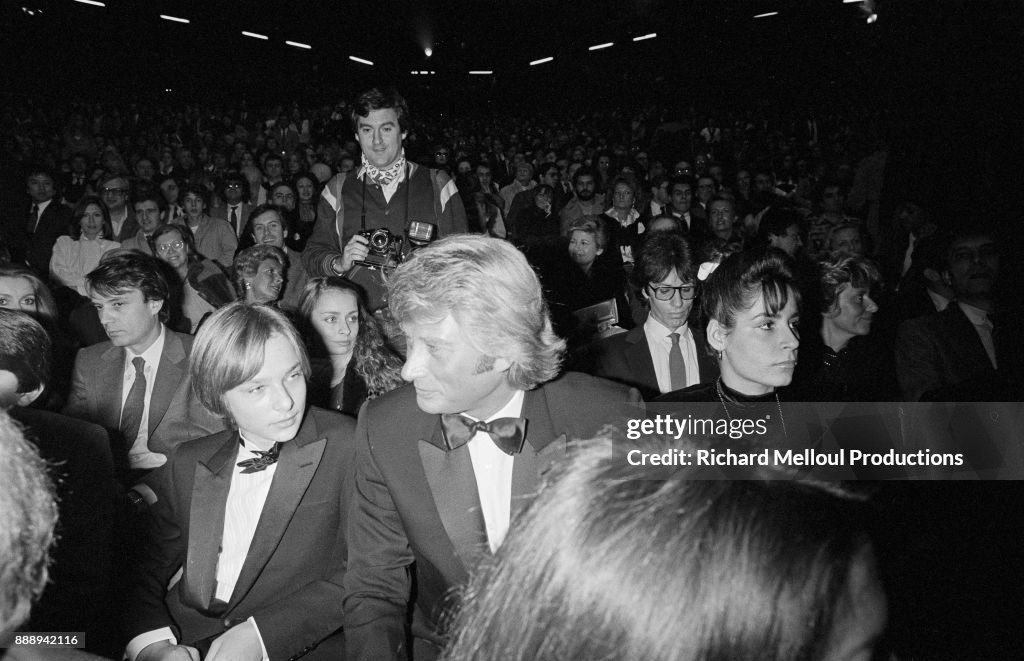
<point x="751" y="304"/>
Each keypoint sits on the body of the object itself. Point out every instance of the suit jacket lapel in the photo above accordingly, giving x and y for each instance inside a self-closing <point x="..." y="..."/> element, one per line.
<point x="541" y="446"/>
<point x="168" y="377"/>
<point x="453" y="486"/>
<point x="112" y="374"/>
<point x="638" y="356"/>
<point x="299" y="460"/>
<point x="206" y="523"/>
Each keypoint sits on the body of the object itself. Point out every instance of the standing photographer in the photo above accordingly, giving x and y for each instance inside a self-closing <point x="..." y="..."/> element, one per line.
<point x="386" y="192"/>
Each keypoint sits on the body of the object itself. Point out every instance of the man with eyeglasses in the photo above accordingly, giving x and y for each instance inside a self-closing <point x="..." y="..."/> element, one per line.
<point x="115" y="190"/>
<point x="666" y="352"/>
<point x="234" y="191"/>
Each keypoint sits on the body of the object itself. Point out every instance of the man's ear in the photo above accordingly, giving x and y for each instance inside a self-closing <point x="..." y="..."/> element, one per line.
<point x="155" y="305"/>
<point x="716" y="335"/>
<point x="947" y="278"/>
<point x="26" y="398"/>
<point x="931" y="275"/>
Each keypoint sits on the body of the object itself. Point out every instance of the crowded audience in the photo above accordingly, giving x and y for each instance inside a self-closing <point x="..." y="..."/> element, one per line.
<point x="217" y="269"/>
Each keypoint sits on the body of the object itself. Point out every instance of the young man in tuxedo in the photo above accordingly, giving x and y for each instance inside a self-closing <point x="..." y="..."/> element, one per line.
<point x="246" y="551"/>
<point x="445" y="462"/>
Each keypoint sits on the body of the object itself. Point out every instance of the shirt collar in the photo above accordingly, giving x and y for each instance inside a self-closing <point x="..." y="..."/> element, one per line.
<point x="513" y="409"/>
<point x="977" y="316"/>
<point x="153" y="353"/>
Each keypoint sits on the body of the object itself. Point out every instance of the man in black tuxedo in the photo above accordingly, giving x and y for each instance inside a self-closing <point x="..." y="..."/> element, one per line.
<point x="46" y="219"/>
<point x="246" y="552"/>
<point x="445" y="462"/>
<point x="667" y="352"/>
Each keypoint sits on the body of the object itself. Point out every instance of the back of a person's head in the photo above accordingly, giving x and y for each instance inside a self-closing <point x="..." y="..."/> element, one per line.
<point x="613" y="561"/>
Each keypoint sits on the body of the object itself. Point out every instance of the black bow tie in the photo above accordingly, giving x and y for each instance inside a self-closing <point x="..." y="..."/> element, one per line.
<point x="262" y="459"/>
<point x="507" y="433"/>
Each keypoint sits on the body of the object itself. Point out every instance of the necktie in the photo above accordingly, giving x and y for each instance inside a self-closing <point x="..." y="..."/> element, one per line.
<point x="234" y="219"/>
<point x="131" y="414"/>
<point x="676" y="368"/>
<point x="507" y="433"/>
<point x="33" y="218"/>
<point x="262" y="459"/>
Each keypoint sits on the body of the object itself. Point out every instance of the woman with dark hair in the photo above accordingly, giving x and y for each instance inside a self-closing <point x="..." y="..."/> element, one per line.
<point x="214" y="238"/>
<point x="76" y="255"/>
<point x="307" y="190"/>
<point x="204" y="285"/>
<point x="840" y="359"/>
<point x="780" y="229"/>
<point x="620" y="562"/>
<point x="359" y="363"/>
<point x="259" y="274"/>
<point x="750" y="304"/>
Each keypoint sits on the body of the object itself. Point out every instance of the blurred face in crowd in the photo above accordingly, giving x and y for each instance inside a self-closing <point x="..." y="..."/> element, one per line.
<point x="789" y="241"/>
<point x="853" y="311"/>
<point x="306" y="189"/>
<point x="721" y="218"/>
<point x="543" y="200"/>
<point x="483" y="173"/>
<point x="585" y="187"/>
<point x="115" y="195"/>
<point x="273" y="168"/>
<point x="336" y="318"/>
<point x="380" y="137"/>
<point x="743" y="182"/>
<point x="763" y="183"/>
<point x="682" y="197"/>
<point x="17" y="293"/>
<point x="233" y="192"/>
<point x="283" y="197"/>
<point x="40" y="188"/>
<point x="622" y="197"/>
<point x="91" y="222"/>
<point x="267" y="284"/>
<point x="147" y="212"/>
<point x="705" y="189"/>
<point x="169" y="189"/>
<point x="832" y="200"/>
<point x="583" y="249"/>
<point x="847" y="240"/>
<point x="268" y="229"/>
<point x="144" y="169"/>
<point x="171" y="248"/>
<point x="524" y="173"/>
<point x="552" y="177"/>
<point x="973" y="267"/>
<point x="194" y="206"/>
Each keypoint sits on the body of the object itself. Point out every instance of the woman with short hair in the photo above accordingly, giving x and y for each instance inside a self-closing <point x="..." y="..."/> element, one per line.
<point x="259" y="274"/>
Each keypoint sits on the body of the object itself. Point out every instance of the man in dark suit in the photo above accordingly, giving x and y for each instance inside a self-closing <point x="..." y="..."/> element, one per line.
<point x="693" y="219"/>
<point x="115" y="189"/>
<point x="444" y="463"/>
<point x="246" y="553"/>
<point x="965" y="352"/>
<point x="136" y="385"/>
<point x="235" y="193"/>
<point x="47" y="219"/>
<point x="666" y="352"/>
<point x="77" y="597"/>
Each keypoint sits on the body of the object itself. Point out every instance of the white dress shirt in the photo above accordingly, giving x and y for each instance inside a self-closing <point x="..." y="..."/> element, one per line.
<point x="246" y="497"/>
<point x="492" y="469"/>
<point x="659" y="344"/>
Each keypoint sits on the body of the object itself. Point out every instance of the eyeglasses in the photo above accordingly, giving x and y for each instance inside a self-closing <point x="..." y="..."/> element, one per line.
<point x="235" y="185"/>
<point x="168" y="247"/>
<point x="114" y="191"/>
<point x="665" y="293"/>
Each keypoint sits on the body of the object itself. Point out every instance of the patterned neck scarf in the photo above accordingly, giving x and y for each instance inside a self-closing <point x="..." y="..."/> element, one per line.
<point x="383" y="177"/>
